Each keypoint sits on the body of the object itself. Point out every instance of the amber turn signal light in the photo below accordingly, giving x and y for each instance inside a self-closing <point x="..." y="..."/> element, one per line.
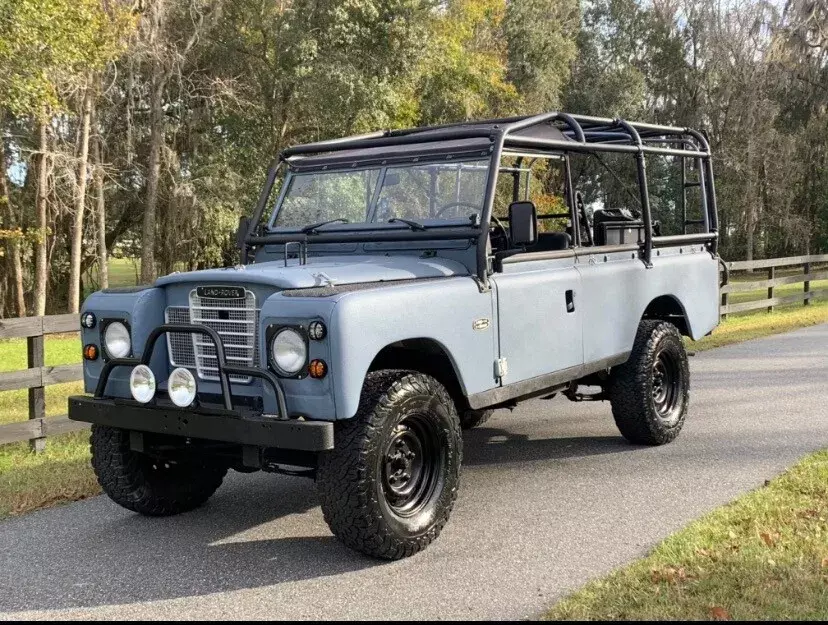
<point x="90" y="352"/>
<point x="317" y="369"/>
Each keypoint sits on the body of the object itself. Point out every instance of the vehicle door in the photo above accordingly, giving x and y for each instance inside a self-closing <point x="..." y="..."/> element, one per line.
<point x="537" y="288"/>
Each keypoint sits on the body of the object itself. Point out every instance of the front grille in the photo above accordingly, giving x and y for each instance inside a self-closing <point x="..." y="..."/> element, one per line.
<point x="235" y="320"/>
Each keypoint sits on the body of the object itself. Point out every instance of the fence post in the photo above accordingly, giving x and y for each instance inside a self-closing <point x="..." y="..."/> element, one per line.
<point x="771" y="274"/>
<point x="724" y="295"/>
<point x="807" y="285"/>
<point x="37" y="395"/>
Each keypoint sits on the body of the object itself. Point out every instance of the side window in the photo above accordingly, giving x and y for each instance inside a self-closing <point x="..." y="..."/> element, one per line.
<point x="608" y="183"/>
<point x="670" y="205"/>
<point x="547" y="190"/>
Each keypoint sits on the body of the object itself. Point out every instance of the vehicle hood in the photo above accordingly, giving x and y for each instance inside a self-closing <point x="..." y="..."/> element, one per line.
<point x="324" y="271"/>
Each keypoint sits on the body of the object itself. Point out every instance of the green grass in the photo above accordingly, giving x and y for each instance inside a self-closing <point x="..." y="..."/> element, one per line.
<point x="122" y="272"/>
<point x="764" y="556"/>
<point x="60" y="350"/>
<point x="61" y="474"/>
<point x="758" y="324"/>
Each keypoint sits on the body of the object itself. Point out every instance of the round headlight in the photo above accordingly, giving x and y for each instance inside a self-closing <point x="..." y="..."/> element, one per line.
<point x="288" y="351"/>
<point x="182" y="387"/>
<point x="116" y="340"/>
<point x="142" y="384"/>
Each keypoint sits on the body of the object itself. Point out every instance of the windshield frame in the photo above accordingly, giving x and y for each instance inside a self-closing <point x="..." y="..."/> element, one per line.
<point x="383" y="168"/>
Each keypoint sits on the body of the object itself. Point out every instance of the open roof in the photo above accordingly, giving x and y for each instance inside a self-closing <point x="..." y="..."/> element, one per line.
<point x="536" y="132"/>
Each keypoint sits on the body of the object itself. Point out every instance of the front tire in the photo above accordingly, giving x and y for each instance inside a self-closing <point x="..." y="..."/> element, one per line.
<point x="388" y="486"/>
<point x="143" y="484"/>
<point x="650" y="392"/>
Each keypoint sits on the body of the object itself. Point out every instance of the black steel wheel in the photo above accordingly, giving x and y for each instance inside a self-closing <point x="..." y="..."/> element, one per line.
<point x="388" y="486"/>
<point x="650" y="392"/>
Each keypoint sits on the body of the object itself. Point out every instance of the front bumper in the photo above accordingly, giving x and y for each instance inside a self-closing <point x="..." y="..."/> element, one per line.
<point x="211" y="425"/>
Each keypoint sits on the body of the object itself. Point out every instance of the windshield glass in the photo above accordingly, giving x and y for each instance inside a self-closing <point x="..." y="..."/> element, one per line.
<point x="418" y="192"/>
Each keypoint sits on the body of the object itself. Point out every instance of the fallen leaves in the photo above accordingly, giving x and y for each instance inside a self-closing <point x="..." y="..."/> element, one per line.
<point x="718" y="613"/>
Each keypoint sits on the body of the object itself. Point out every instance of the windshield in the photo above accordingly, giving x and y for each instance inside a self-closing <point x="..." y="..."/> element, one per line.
<point x="418" y="192"/>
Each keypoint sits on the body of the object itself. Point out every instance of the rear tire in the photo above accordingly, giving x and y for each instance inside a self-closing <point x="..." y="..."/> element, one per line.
<point x="388" y="486"/>
<point x="151" y="487"/>
<point x="473" y="418"/>
<point x="650" y="392"/>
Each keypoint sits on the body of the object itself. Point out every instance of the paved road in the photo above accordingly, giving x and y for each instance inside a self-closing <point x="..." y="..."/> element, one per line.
<point x="551" y="497"/>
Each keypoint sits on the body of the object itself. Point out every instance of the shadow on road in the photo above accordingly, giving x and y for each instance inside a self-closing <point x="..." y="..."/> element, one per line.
<point x="244" y="538"/>
<point x="497" y="446"/>
<point x="255" y="532"/>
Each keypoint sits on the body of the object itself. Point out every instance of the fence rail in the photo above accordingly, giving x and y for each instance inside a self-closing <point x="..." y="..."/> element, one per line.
<point x="808" y="274"/>
<point x="38" y="376"/>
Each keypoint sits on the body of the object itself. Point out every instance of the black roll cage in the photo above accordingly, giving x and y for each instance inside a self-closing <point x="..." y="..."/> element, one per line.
<point x="577" y="133"/>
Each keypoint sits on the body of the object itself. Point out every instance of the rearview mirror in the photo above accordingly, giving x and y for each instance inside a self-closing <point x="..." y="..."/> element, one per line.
<point x="523" y="223"/>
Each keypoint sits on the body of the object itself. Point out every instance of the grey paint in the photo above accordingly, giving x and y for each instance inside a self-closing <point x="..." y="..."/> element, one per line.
<point x="529" y="324"/>
<point x="322" y="271"/>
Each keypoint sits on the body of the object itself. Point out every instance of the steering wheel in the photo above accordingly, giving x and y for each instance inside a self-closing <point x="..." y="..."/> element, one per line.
<point x="445" y="207"/>
<point x="497" y="224"/>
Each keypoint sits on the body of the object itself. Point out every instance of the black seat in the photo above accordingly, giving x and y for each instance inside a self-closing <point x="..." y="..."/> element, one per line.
<point x="552" y="242"/>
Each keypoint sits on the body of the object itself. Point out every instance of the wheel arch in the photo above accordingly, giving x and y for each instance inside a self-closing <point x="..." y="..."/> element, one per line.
<point x="669" y="308"/>
<point x="427" y="356"/>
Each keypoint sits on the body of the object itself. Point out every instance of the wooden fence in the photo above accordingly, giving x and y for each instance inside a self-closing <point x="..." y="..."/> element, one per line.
<point x="38" y="376"/>
<point x="801" y="269"/>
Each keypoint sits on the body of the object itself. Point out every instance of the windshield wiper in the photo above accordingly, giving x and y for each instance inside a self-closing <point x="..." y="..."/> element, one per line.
<point x="311" y="229"/>
<point x="417" y="227"/>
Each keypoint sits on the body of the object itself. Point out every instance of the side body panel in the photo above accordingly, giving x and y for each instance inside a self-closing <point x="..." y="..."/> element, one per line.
<point x="539" y="333"/>
<point x="617" y="288"/>
<point x="445" y="311"/>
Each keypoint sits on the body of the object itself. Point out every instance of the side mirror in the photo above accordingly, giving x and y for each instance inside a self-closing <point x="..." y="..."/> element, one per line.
<point x="523" y="223"/>
<point x="241" y="233"/>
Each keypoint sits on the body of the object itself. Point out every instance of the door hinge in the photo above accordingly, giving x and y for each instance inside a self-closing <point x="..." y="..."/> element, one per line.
<point x="501" y="368"/>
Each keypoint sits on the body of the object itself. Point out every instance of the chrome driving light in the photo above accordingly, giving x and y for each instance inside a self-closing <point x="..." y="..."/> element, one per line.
<point x="142" y="384"/>
<point x="117" y="340"/>
<point x="288" y="352"/>
<point x="182" y="387"/>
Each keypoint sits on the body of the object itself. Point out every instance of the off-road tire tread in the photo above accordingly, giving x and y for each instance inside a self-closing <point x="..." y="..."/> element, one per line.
<point x="122" y="476"/>
<point x="629" y="387"/>
<point x="344" y="488"/>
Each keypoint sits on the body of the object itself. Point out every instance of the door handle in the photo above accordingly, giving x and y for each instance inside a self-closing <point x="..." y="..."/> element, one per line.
<point x="570" y="301"/>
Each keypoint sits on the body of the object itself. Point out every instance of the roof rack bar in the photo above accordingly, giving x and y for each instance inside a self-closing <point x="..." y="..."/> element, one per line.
<point x="574" y="146"/>
<point x="402" y="132"/>
<point x="448" y="134"/>
<point x="568" y="119"/>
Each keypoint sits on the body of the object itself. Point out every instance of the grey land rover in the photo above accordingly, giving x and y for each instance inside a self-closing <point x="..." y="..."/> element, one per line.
<point x="393" y="290"/>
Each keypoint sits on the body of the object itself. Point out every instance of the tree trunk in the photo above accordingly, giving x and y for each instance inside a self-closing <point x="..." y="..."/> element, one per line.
<point x="156" y="142"/>
<point x="80" y="203"/>
<point x="13" y="244"/>
<point x="41" y="265"/>
<point x="103" y="258"/>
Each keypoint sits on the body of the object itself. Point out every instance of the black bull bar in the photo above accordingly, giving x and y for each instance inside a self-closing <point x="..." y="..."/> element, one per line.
<point x="224" y="370"/>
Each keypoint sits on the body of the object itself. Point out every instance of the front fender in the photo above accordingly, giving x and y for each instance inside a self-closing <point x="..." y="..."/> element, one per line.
<point x="443" y="311"/>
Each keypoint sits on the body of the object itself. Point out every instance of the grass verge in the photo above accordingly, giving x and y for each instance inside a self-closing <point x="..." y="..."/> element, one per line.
<point x="764" y="556"/>
<point x="756" y="325"/>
